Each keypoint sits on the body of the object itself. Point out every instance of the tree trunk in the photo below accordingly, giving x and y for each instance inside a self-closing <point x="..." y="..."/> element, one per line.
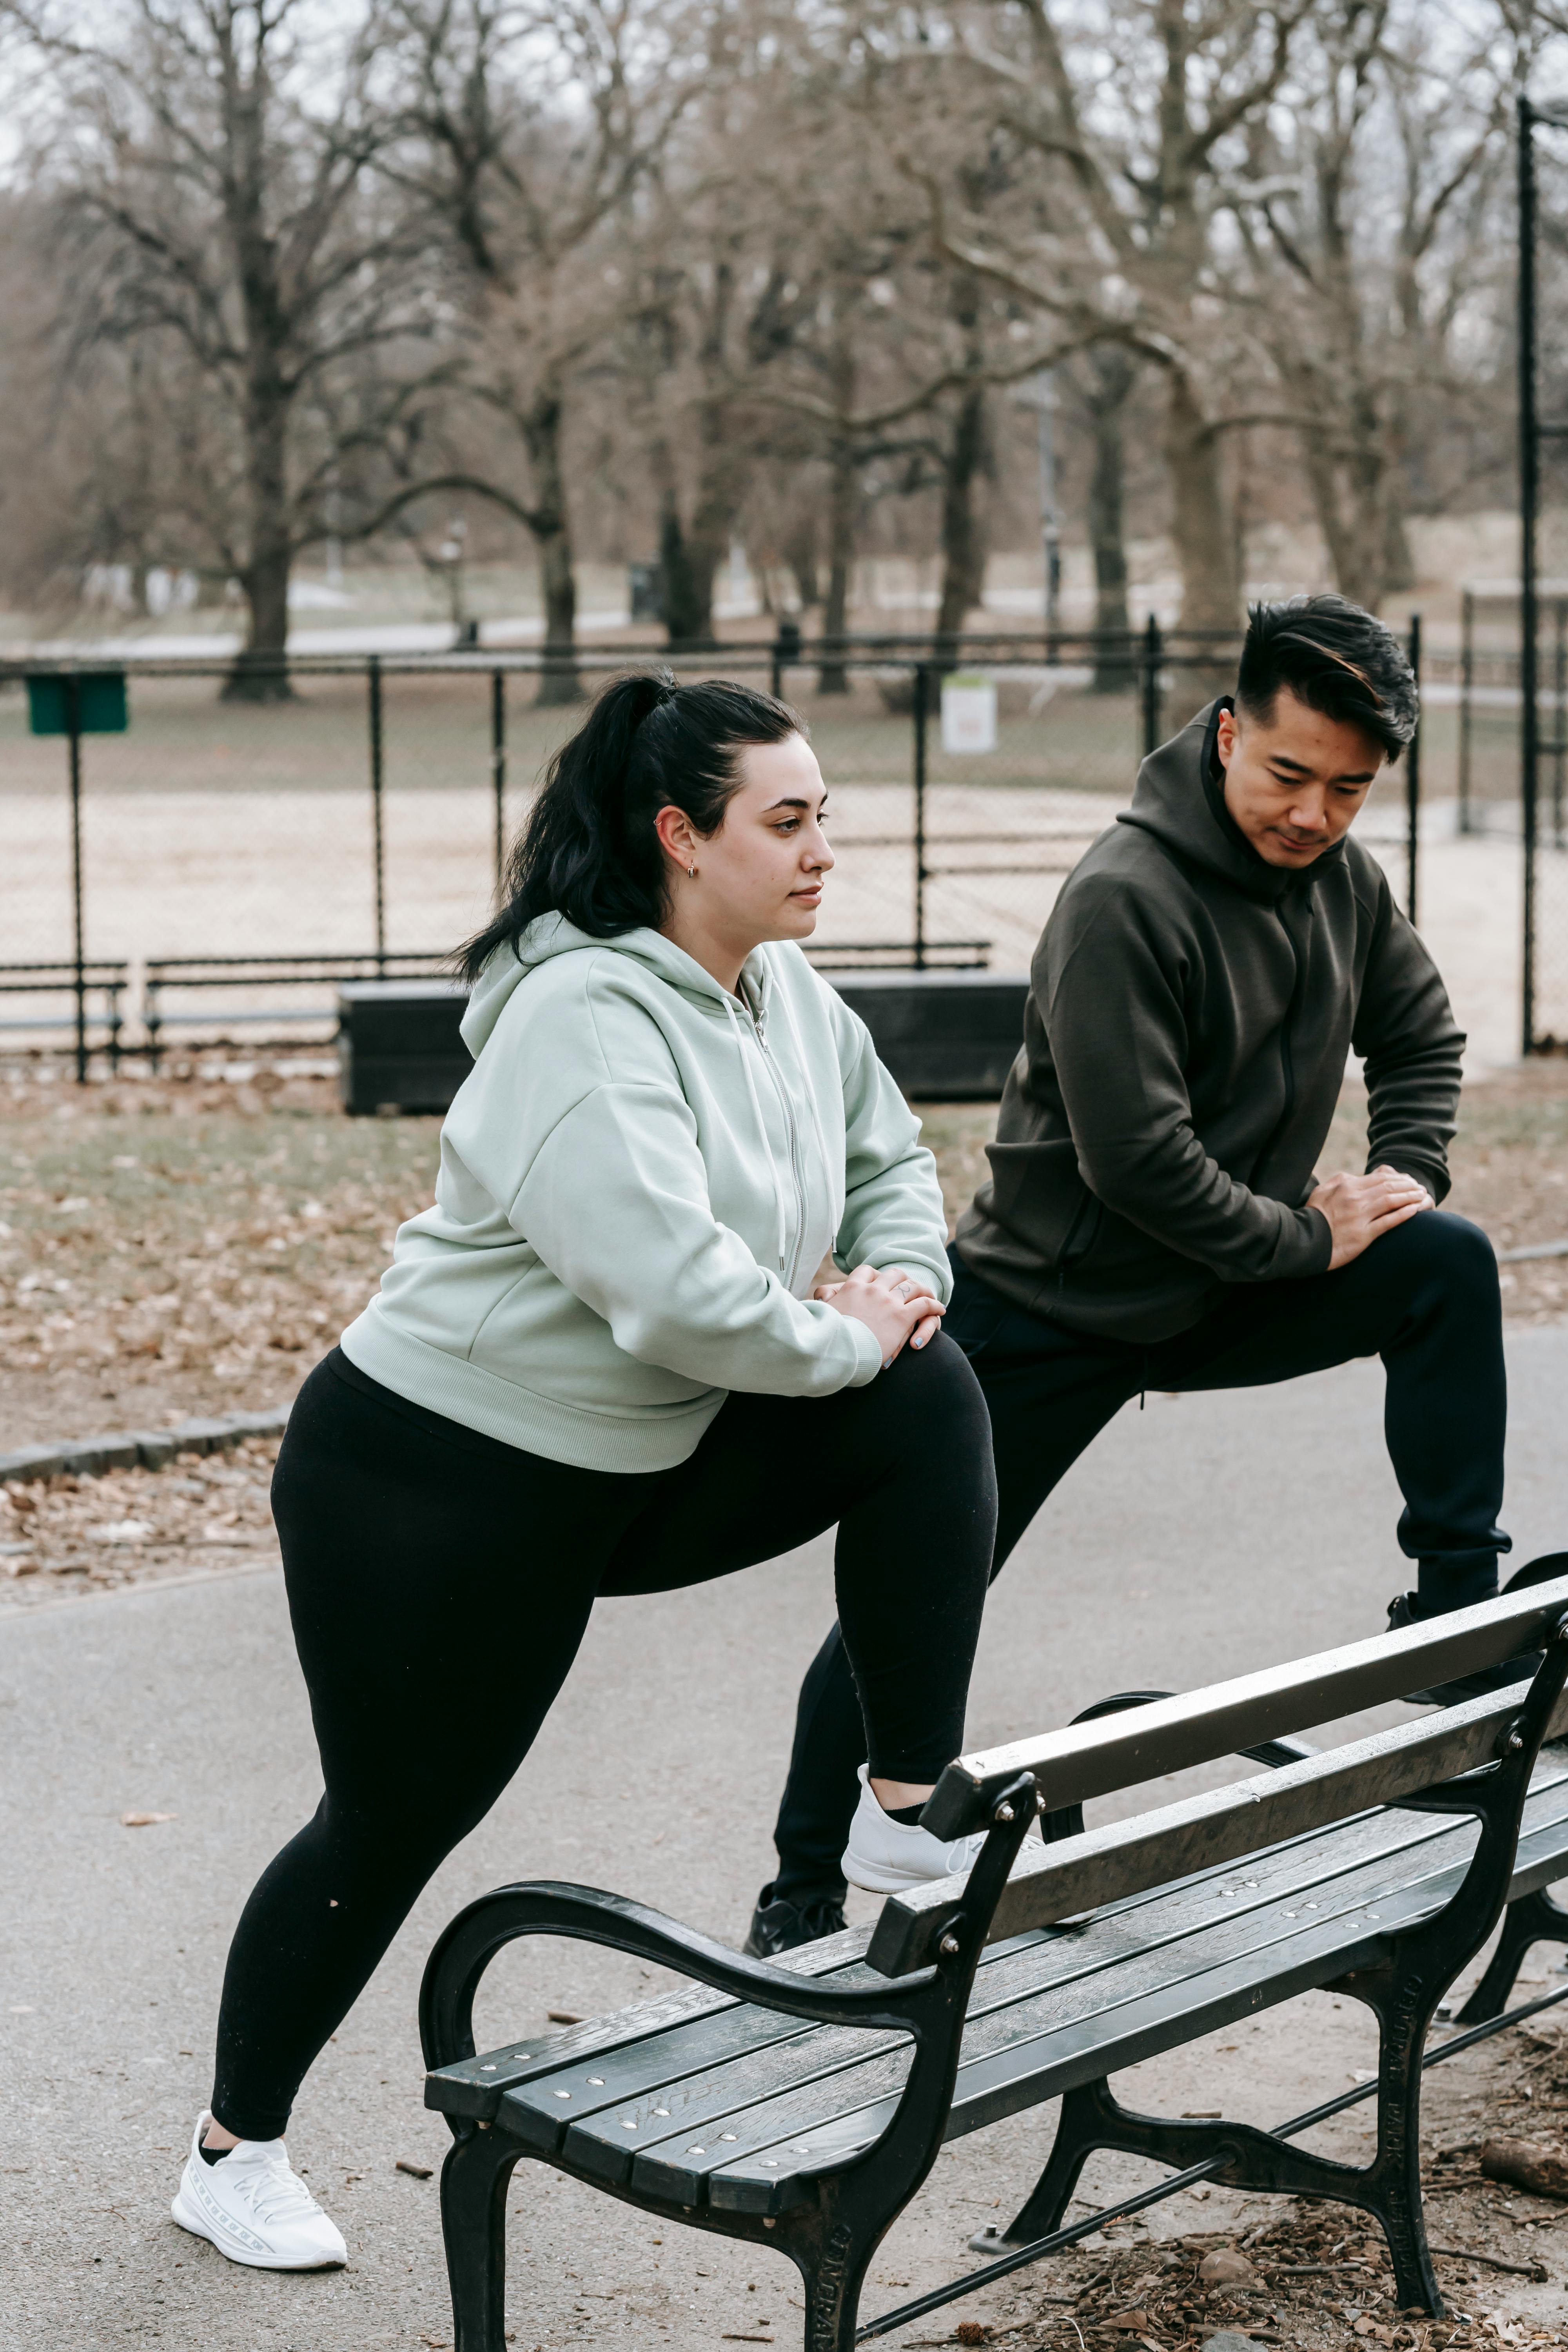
<point x="963" y="546"/>
<point x="800" y="554"/>
<point x="687" y="600"/>
<point x="1114" y="374"/>
<point x="260" y="673"/>
<point x="550" y="525"/>
<point x="1205" y="550"/>
<point x="843" y="495"/>
<point x="691" y="557"/>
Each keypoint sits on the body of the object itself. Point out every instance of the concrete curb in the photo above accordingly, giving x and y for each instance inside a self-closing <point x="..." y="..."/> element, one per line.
<point x="149" y="1449"/>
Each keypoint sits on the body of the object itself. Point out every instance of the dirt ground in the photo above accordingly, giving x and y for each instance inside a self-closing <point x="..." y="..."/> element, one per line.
<point x="191" y="1244"/>
<point x="196" y="1243"/>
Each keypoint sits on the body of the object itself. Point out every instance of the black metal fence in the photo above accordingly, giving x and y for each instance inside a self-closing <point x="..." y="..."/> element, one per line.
<point x="226" y="864"/>
<point x="1513" y="777"/>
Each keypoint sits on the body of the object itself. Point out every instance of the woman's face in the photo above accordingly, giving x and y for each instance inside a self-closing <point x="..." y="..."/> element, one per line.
<point x="759" y="877"/>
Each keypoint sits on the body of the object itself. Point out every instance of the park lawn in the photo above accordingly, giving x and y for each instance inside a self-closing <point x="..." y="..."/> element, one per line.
<point x="170" y="1247"/>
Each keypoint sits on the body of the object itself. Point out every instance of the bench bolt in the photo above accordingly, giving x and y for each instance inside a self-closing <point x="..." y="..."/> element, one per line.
<point x="1004" y="1813"/>
<point x="948" y="1948"/>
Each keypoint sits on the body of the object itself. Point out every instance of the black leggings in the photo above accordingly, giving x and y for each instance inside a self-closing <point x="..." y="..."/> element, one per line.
<point x="422" y="1559"/>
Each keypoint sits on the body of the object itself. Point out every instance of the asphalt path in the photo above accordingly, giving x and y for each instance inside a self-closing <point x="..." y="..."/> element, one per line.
<point x="1200" y="1537"/>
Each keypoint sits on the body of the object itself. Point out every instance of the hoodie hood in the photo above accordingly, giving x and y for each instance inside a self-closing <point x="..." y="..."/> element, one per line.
<point x="553" y="935"/>
<point x="1180" y="799"/>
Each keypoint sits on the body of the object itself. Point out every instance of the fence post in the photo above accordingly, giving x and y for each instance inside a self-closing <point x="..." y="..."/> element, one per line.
<point x="498" y="766"/>
<point x="1413" y="779"/>
<point x="73" y="729"/>
<point x="921" y="674"/>
<point x="1467" y="682"/>
<point x="1558" y="712"/>
<point x="1529" y="496"/>
<point x="378" y="842"/>
<point x="1153" y="655"/>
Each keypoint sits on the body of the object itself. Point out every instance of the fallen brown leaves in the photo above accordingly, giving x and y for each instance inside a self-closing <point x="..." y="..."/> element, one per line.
<point x="1311" y="2279"/>
<point x="177" y="1247"/>
<point x="133" y="1525"/>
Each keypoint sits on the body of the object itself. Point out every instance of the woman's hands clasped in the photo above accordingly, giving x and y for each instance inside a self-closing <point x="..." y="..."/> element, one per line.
<point x="895" y="1307"/>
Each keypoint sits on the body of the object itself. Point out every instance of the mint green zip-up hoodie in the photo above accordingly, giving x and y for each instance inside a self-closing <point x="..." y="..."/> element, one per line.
<point x="638" y="1181"/>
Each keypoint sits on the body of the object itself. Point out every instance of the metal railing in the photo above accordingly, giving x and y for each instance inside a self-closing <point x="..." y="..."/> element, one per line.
<point x="241" y="829"/>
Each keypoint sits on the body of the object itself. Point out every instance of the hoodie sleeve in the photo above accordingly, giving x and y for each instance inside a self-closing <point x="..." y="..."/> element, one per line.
<point x="894" y="1210"/>
<point x="615" y="1203"/>
<point x="1111" y="992"/>
<point x="1413" y="1049"/>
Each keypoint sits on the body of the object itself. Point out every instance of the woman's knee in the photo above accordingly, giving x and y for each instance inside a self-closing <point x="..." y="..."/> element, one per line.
<point x="934" y="1409"/>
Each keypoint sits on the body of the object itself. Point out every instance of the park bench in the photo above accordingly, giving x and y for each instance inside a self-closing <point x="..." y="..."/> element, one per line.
<point x="801" y="2104"/>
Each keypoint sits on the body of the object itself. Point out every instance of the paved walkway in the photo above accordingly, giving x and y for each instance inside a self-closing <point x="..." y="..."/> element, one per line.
<point x="1201" y="1537"/>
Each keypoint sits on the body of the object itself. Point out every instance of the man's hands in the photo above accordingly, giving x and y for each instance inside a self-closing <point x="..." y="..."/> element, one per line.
<point x="894" y="1305"/>
<point x="1360" y="1208"/>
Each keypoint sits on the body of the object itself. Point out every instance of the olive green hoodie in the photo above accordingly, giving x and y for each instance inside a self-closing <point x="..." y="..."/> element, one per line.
<point x="1191" y="1012"/>
<point x="639" y="1179"/>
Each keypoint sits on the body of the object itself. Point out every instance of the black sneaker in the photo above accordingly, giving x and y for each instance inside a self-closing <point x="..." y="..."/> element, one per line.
<point x="1406" y="1610"/>
<point x="779" y="1926"/>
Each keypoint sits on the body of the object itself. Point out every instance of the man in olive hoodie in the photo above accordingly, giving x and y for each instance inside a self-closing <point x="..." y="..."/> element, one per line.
<point x="1154" y="1217"/>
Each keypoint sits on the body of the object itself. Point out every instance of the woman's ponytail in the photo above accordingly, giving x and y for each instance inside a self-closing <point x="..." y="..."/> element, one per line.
<point x="588" y="848"/>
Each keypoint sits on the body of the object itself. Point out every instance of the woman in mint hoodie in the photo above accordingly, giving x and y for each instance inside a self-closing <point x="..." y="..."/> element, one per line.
<point x="596" y="1366"/>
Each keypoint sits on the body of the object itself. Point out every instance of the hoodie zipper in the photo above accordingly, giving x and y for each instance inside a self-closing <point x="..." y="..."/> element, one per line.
<point x="1287" y="1052"/>
<point x="759" y="1023"/>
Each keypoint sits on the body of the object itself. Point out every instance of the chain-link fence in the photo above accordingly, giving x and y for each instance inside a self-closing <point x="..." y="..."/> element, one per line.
<point x="238" y="858"/>
<point x="1499" y="800"/>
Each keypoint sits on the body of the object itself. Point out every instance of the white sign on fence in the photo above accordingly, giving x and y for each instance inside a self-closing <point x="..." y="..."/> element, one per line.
<point x="968" y="712"/>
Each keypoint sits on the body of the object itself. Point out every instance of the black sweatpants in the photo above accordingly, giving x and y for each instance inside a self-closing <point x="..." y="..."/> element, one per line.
<point x="1424" y="1297"/>
<point x="437" y="1577"/>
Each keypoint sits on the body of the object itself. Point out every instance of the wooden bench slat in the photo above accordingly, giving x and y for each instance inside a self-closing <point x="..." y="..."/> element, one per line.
<point x="653" y="2042"/>
<point x="1091" y="1759"/>
<point x="1053" y="1882"/>
<point x="473" y="2086"/>
<point x="1052" y="2045"/>
<point x="1074" y="2000"/>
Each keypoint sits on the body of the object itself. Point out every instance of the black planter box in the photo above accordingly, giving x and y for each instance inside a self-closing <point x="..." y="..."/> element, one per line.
<point x="946" y="1036"/>
<point x="399" y="1048"/>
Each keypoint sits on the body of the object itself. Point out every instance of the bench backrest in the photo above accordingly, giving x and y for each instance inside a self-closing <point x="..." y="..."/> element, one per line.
<point x="1052" y="1883"/>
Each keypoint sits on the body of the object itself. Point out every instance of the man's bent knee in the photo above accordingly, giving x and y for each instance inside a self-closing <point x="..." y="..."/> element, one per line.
<point x="1436" y="1243"/>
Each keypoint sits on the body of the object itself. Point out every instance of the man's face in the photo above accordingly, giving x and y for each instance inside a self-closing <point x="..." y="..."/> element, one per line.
<point x="1294" y="783"/>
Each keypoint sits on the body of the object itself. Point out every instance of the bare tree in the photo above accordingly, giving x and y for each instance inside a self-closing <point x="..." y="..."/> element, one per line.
<point x="1130" y="123"/>
<point x="1367" y="232"/>
<point x="535" y="125"/>
<point x="217" y="173"/>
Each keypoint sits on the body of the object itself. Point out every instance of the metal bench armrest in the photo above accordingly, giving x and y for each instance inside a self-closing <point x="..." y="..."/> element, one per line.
<point x="550" y="1907"/>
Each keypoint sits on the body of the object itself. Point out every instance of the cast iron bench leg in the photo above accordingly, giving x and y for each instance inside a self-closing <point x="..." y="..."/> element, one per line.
<point x="1402" y="1986"/>
<point x="1091" y="2118"/>
<point x="1533" y="1919"/>
<point x="474" y="2180"/>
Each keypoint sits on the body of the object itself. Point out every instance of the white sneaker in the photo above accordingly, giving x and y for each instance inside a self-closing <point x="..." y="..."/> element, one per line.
<point x="884" y="1856"/>
<point x="254" y="2209"/>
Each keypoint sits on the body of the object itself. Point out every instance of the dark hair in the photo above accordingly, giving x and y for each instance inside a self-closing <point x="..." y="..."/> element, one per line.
<point x="1333" y="658"/>
<point x="588" y="848"/>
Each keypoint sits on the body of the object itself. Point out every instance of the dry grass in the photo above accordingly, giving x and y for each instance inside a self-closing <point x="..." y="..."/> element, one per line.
<point x="190" y="1246"/>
